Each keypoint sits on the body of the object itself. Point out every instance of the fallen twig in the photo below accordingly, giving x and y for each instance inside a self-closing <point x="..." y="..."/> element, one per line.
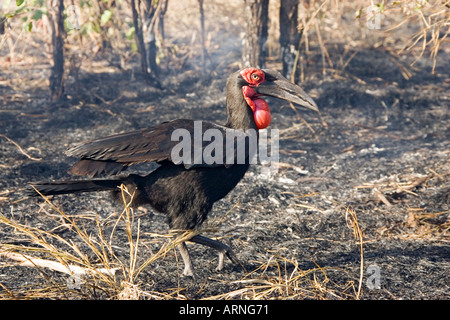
<point x="29" y="261"/>
<point x="20" y="148"/>
<point x="352" y="221"/>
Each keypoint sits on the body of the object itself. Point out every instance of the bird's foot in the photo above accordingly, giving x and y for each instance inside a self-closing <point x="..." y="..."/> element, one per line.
<point x="223" y="250"/>
<point x="188" y="269"/>
<point x="220" y="266"/>
<point x="188" y="272"/>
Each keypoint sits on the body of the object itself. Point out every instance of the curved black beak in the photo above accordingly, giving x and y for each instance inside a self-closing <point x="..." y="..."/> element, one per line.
<point x="279" y="87"/>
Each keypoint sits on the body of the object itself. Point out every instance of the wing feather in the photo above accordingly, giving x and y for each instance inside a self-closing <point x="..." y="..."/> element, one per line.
<point x="110" y="155"/>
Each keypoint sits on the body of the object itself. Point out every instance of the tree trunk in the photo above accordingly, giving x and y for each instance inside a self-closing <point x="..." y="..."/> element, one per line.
<point x="289" y="36"/>
<point x="256" y="33"/>
<point x="150" y="14"/>
<point x="146" y="13"/>
<point x="56" y="19"/>
<point x="139" y="37"/>
<point x="2" y="24"/>
<point x="202" y="25"/>
<point x="162" y="14"/>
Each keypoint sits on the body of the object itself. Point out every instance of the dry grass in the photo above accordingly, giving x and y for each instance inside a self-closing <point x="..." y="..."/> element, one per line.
<point x="94" y="270"/>
<point x="90" y="260"/>
<point x="422" y="223"/>
<point x="406" y="27"/>
<point x="401" y="27"/>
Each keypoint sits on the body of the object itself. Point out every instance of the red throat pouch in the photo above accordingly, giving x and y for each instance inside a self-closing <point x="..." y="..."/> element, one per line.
<point x="261" y="111"/>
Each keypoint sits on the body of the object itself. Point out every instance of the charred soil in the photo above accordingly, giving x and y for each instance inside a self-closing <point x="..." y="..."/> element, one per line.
<point x="377" y="161"/>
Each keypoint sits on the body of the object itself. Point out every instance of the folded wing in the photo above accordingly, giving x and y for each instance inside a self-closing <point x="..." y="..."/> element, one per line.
<point x="206" y="142"/>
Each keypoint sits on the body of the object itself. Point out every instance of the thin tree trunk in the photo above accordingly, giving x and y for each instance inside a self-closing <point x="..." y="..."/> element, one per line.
<point x="2" y="23"/>
<point x="289" y="36"/>
<point x="161" y="31"/>
<point x="56" y="19"/>
<point x="202" y="24"/>
<point x="152" y="52"/>
<point x="139" y="37"/>
<point x="257" y="15"/>
<point x="150" y="14"/>
<point x="162" y="14"/>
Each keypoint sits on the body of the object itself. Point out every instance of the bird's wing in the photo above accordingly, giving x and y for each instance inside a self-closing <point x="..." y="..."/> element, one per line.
<point x="183" y="142"/>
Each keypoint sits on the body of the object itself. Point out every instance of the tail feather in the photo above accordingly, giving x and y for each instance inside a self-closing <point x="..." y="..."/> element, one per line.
<point x="66" y="187"/>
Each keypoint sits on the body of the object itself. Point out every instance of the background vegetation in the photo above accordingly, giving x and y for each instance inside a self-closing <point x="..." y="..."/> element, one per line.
<point x="170" y="35"/>
<point x="64" y="63"/>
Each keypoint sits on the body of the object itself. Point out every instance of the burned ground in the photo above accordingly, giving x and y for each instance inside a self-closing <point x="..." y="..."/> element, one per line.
<point x="377" y="161"/>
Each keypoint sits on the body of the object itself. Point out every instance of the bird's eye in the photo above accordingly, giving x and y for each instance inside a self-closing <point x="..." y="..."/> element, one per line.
<point x="255" y="77"/>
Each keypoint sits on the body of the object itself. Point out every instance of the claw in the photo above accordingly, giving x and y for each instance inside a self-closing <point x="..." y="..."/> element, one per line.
<point x="222" y="249"/>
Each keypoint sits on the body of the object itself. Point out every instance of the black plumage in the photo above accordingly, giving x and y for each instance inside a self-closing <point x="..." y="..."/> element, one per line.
<point x="184" y="191"/>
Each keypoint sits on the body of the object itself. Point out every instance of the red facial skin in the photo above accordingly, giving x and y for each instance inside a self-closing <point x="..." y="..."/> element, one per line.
<point x="253" y="76"/>
<point x="261" y="111"/>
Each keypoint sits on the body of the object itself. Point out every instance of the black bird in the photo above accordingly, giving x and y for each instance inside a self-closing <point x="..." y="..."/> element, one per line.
<point x="184" y="189"/>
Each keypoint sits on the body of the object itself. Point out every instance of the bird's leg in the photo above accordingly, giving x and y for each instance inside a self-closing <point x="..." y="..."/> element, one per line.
<point x="223" y="249"/>
<point x="188" y="269"/>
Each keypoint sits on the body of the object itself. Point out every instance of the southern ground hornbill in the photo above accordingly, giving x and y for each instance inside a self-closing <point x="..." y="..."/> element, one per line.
<point x="184" y="191"/>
